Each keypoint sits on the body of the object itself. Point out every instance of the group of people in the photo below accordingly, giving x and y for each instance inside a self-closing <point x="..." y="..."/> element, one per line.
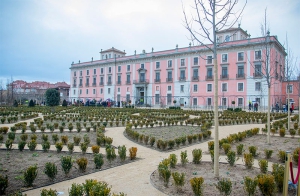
<point x="285" y="107"/>
<point x="255" y="106"/>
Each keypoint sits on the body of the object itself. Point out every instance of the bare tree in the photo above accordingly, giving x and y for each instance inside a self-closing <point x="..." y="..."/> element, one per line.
<point x="211" y="16"/>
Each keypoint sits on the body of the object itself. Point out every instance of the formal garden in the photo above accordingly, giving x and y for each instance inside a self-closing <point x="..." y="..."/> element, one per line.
<point x="46" y="145"/>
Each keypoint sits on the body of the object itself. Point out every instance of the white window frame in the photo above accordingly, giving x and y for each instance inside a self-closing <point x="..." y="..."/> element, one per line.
<point x="169" y="88"/>
<point x="197" y="60"/>
<point x="108" y="90"/>
<point x="142" y="66"/>
<point x="182" y="62"/>
<point x="259" y="86"/>
<point x="95" y="71"/>
<point x="238" y="86"/>
<point x="170" y="63"/>
<point x="128" y="68"/>
<point x="157" y="65"/>
<point x="94" y="91"/>
<point x="242" y="104"/>
<point x="211" y="102"/>
<point x="207" y="87"/>
<point x="182" y="88"/>
<point x="87" y="91"/>
<point x="238" y="56"/>
<point x="289" y="91"/>
<point x="101" y="91"/>
<point x="224" y="61"/>
<point x="255" y="54"/>
<point x="195" y="98"/>
<point x="209" y="59"/>
<point x="195" y="85"/>
<point x="226" y="87"/>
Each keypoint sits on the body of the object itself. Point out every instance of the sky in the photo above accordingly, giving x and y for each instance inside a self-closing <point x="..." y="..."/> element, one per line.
<point x="39" y="39"/>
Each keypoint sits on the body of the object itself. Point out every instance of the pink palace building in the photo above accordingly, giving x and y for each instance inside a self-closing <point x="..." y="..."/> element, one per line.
<point x="156" y="79"/>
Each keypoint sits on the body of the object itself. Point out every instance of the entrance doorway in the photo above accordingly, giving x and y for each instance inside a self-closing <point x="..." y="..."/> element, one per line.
<point x="141" y="98"/>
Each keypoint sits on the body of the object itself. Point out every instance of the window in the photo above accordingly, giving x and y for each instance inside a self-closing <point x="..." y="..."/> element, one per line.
<point x="101" y="80"/>
<point x="109" y="70"/>
<point x="119" y="79"/>
<point x="128" y="79"/>
<point x="157" y="77"/>
<point x="257" y="86"/>
<point x="127" y="89"/>
<point x="209" y="59"/>
<point x="101" y="70"/>
<point x="127" y="97"/>
<point x="258" y="55"/>
<point x="195" y="87"/>
<point x="224" y="101"/>
<point x="119" y="68"/>
<point x="169" y="88"/>
<point x="209" y="72"/>
<point x="157" y="88"/>
<point x="224" y="87"/>
<point x="87" y="91"/>
<point x="170" y="75"/>
<point x="209" y="101"/>
<point x="118" y="90"/>
<point x="169" y="63"/>
<point x="128" y="67"/>
<point x="109" y="55"/>
<point x="75" y="73"/>
<point x="80" y="91"/>
<point x="209" y="87"/>
<point x="195" y="60"/>
<point x="182" y="62"/>
<point x="80" y="82"/>
<point x="87" y="81"/>
<point x="142" y="77"/>
<point x="240" y="86"/>
<point x="289" y="89"/>
<point x="101" y="90"/>
<point x="142" y="66"/>
<point x="240" y="101"/>
<point x="80" y="73"/>
<point x="224" y="72"/>
<point x="74" y="92"/>
<point x="157" y="65"/>
<point x="194" y="101"/>
<point x="224" y="58"/>
<point x="227" y="38"/>
<point x="181" y="88"/>
<point x="87" y="72"/>
<point x="94" y="91"/>
<point x="109" y="79"/>
<point x="108" y="91"/>
<point x="95" y="71"/>
<point x="169" y="98"/>
<point x="257" y="70"/>
<point x="240" y="71"/>
<point x="94" y="81"/>
<point x="195" y="73"/>
<point x="240" y="56"/>
<point x="182" y="74"/>
<point x="156" y="98"/>
<point x="74" y="82"/>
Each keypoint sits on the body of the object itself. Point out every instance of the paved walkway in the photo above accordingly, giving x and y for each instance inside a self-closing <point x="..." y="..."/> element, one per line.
<point x="134" y="178"/>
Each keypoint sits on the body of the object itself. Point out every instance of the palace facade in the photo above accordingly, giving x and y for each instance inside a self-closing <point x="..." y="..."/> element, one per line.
<point x="186" y="74"/>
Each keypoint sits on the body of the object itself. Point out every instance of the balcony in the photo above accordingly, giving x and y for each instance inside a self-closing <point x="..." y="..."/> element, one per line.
<point x="157" y="80"/>
<point x="119" y="82"/>
<point x="74" y="85"/>
<point x="169" y="79"/>
<point x="195" y="78"/>
<point x="257" y="75"/>
<point x="94" y="84"/>
<point x="240" y="76"/>
<point x="108" y="82"/>
<point x="181" y="79"/>
<point x="224" y="76"/>
<point x="128" y="82"/>
<point x="101" y="83"/>
<point x="80" y="85"/>
<point x="87" y="85"/>
<point x="209" y="78"/>
<point x="141" y="81"/>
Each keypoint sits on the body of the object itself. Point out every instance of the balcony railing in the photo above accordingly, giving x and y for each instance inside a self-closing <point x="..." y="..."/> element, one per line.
<point x="157" y="80"/>
<point x="224" y="76"/>
<point x="108" y="82"/>
<point x="94" y="84"/>
<point x="169" y="79"/>
<point x="257" y="75"/>
<point x="141" y="81"/>
<point x="118" y="82"/>
<point x="195" y="78"/>
<point x="87" y="85"/>
<point x="240" y="76"/>
<point x="128" y="82"/>
<point x="181" y="79"/>
<point x="80" y="85"/>
<point x="101" y="83"/>
<point x="209" y="78"/>
<point x="74" y="85"/>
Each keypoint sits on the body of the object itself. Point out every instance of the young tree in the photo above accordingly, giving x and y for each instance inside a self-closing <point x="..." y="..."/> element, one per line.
<point x="31" y="103"/>
<point x="211" y="16"/>
<point x="52" y="97"/>
<point x="65" y="104"/>
<point x="15" y="103"/>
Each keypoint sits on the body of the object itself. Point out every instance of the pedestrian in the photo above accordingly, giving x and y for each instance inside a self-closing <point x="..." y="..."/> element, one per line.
<point x="277" y="107"/>
<point x="250" y="105"/>
<point x="292" y="107"/>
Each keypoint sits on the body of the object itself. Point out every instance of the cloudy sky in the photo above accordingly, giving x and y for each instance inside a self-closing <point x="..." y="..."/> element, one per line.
<point x="39" y="39"/>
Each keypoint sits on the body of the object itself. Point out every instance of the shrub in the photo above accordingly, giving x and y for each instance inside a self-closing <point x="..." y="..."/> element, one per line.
<point x="266" y="184"/>
<point x="83" y="147"/>
<point x="76" y="190"/>
<point x="64" y="139"/>
<point x="263" y="165"/>
<point x="165" y="173"/>
<point x="59" y="146"/>
<point x="197" y="186"/>
<point x="282" y="132"/>
<point x="3" y="184"/>
<point x="240" y="149"/>
<point x="248" y="160"/>
<point x="210" y="145"/>
<point x="197" y="156"/>
<point x="87" y="140"/>
<point x="173" y="160"/>
<point x="50" y="170"/>
<point x="11" y="136"/>
<point x="54" y="138"/>
<point x="30" y="174"/>
<point x="281" y="156"/>
<point x="98" y="160"/>
<point x="66" y="164"/>
<point x="224" y="186"/>
<point x="76" y="140"/>
<point x="296" y="155"/>
<point x="226" y="147"/>
<point x="268" y="153"/>
<point x="278" y="173"/>
<point x="132" y="152"/>
<point x="50" y="192"/>
<point x="252" y="150"/>
<point x="82" y="163"/>
<point x="88" y="185"/>
<point x="21" y="145"/>
<point x="101" y="188"/>
<point x="122" y="152"/>
<point x="183" y="140"/>
<point x="95" y="149"/>
<point x="45" y="137"/>
<point x="212" y="155"/>
<point x="292" y="132"/>
<point x="190" y="138"/>
<point x="4" y="130"/>
<point x="231" y="158"/>
<point x="171" y="144"/>
<point x="24" y="137"/>
<point x="32" y="145"/>
<point x="110" y="153"/>
<point x="179" y="179"/>
<point x="70" y="147"/>
<point x="250" y="185"/>
<point x="33" y="137"/>
<point x="46" y="146"/>
<point x="183" y="158"/>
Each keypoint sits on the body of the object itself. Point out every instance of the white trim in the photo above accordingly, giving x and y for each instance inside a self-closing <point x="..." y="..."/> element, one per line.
<point x="207" y="88"/>
<point x="222" y="58"/>
<point x="237" y="86"/>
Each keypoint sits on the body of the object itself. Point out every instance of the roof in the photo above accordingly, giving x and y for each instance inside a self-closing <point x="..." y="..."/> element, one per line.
<point x="233" y="29"/>
<point x="113" y="50"/>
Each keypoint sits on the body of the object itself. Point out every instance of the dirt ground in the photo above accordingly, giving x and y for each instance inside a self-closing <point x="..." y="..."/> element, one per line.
<point x="14" y="162"/>
<point x="235" y="173"/>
